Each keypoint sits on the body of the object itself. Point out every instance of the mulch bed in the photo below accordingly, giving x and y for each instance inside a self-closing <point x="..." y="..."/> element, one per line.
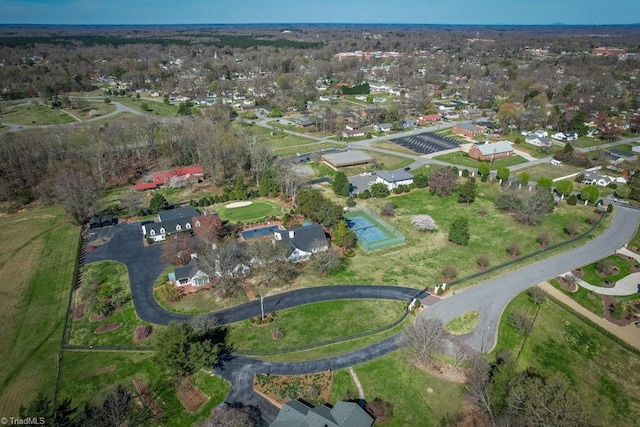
<point x="191" y="397"/>
<point x="110" y="327"/>
<point x="96" y="372"/>
<point x="283" y="388"/>
<point x="96" y="318"/>
<point x="78" y="312"/>
<point x="142" y="333"/>
<point x="148" y="398"/>
<point x="626" y="319"/>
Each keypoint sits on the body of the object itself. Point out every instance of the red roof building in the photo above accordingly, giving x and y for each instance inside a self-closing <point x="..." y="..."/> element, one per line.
<point x="161" y="178"/>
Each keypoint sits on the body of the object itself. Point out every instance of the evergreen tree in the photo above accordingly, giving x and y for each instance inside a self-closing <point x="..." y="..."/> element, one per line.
<point x="158" y="203"/>
<point x="459" y="231"/>
<point x="341" y="184"/>
<point x="467" y="191"/>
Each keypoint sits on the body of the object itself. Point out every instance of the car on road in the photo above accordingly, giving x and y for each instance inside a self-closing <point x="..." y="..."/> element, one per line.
<point x="408" y="168"/>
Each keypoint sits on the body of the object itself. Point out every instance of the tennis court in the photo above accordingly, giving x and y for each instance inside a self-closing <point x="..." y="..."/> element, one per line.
<point x="364" y="229"/>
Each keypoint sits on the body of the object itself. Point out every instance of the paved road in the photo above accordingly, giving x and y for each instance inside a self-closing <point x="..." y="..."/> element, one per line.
<point x="491" y="297"/>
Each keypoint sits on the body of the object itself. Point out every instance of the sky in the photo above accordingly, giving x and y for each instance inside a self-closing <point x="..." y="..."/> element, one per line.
<point x="464" y="12"/>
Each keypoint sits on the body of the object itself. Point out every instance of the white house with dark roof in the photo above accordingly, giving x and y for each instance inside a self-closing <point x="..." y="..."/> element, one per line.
<point x="343" y="414"/>
<point x="393" y="179"/>
<point x="171" y="221"/>
<point x="190" y="274"/>
<point x="303" y="241"/>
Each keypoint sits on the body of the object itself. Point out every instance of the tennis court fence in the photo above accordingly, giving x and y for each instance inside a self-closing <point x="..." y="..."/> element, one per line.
<point x="394" y="237"/>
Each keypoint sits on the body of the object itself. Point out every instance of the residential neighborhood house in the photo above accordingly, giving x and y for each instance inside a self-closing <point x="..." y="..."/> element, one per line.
<point x="393" y="179"/>
<point x="343" y="414"/>
<point x="303" y="241"/>
<point x="171" y="221"/>
<point x="173" y="178"/>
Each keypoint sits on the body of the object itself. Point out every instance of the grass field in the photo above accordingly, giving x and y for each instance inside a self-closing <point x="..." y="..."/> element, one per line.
<point x="157" y="107"/>
<point x="36" y="259"/>
<point x="76" y="365"/>
<point x="463" y="159"/>
<point x="548" y="171"/>
<point x="463" y="324"/>
<point x="100" y="107"/>
<point x="393" y="378"/>
<point x="561" y="342"/>
<point x="300" y="325"/>
<point x="425" y="254"/>
<point x="624" y="268"/>
<point x="255" y="212"/>
<point x="34" y="115"/>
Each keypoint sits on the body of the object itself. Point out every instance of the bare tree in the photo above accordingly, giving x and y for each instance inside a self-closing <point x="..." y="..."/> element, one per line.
<point x="479" y="384"/>
<point x="77" y="193"/>
<point x="132" y="201"/>
<point x="235" y="415"/>
<point x="425" y="338"/>
<point x="327" y="261"/>
<point x="442" y="181"/>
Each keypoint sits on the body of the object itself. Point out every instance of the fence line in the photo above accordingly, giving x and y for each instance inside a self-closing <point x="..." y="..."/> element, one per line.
<point x="522" y="258"/>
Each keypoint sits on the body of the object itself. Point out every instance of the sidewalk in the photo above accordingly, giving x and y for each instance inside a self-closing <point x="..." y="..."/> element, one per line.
<point x="629" y="333"/>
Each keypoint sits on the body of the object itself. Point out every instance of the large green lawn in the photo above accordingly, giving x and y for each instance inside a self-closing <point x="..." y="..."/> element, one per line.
<point x="463" y="159"/>
<point x="395" y="379"/>
<point x="37" y="258"/>
<point x="562" y="342"/>
<point x="300" y="326"/>
<point x="257" y="211"/>
<point x="419" y="261"/>
<point x="35" y="115"/>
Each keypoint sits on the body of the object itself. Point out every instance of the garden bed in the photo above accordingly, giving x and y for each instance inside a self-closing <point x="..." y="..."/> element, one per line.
<point x="313" y="388"/>
<point x="190" y="396"/>
<point x="109" y="327"/>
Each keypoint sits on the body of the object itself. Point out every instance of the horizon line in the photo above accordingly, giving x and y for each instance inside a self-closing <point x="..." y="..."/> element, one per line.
<point x="555" y="24"/>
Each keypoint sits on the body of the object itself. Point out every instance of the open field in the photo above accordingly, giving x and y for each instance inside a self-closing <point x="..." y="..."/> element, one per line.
<point x="490" y="234"/>
<point x="156" y="107"/>
<point x="300" y="325"/>
<point x="131" y="365"/>
<point x="562" y="342"/>
<point x="34" y="115"/>
<point x="98" y="109"/>
<point x="255" y="212"/>
<point x="548" y="171"/>
<point x="463" y="159"/>
<point x="37" y="260"/>
<point x="395" y="379"/>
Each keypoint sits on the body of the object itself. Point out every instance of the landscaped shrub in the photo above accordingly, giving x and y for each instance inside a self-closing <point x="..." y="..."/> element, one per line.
<point x="609" y="208"/>
<point x="141" y="333"/>
<point x="465" y="173"/>
<point x="543" y="238"/>
<point x="388" y="209"/>
<point x="514" y="249"/>
<point x="521" y="322"/>
<point x="537" y="295"/>
<point x="483" y="260"/>
<point x="449" y="271"/>
<point x="572" y="228"/>
<point x="572" y="200"/>
<point x="484" y="178"/>
<point x="366" y="194"/>
<point x="459" y="231"/>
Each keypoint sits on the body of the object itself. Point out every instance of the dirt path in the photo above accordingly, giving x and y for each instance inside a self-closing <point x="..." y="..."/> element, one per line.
<point x="356" y="381"/>
<point x="629" y="333"/>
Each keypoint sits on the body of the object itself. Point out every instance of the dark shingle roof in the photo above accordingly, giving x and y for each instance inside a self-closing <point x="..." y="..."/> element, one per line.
<point x="304" y="237"/>
<point x="188" y="271"/>
<point x="181" y="213"/>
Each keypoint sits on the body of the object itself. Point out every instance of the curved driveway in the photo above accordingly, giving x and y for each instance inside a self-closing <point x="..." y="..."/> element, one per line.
<point x="144" y="265"/>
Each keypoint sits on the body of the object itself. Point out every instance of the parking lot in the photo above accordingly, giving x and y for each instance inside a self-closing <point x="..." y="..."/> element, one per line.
<point x="427" y="143"/>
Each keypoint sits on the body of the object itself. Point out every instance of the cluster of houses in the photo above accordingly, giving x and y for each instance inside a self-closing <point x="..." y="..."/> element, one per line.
<point x="301" y="242"/>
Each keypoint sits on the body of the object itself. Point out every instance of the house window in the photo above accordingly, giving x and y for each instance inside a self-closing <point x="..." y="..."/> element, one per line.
<point x="198" y="224"/>
<point x="162" y="230"/>
<point x="187" y="226"/>
<point x="178" y="227"/>
<point x="152" y="232"/>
